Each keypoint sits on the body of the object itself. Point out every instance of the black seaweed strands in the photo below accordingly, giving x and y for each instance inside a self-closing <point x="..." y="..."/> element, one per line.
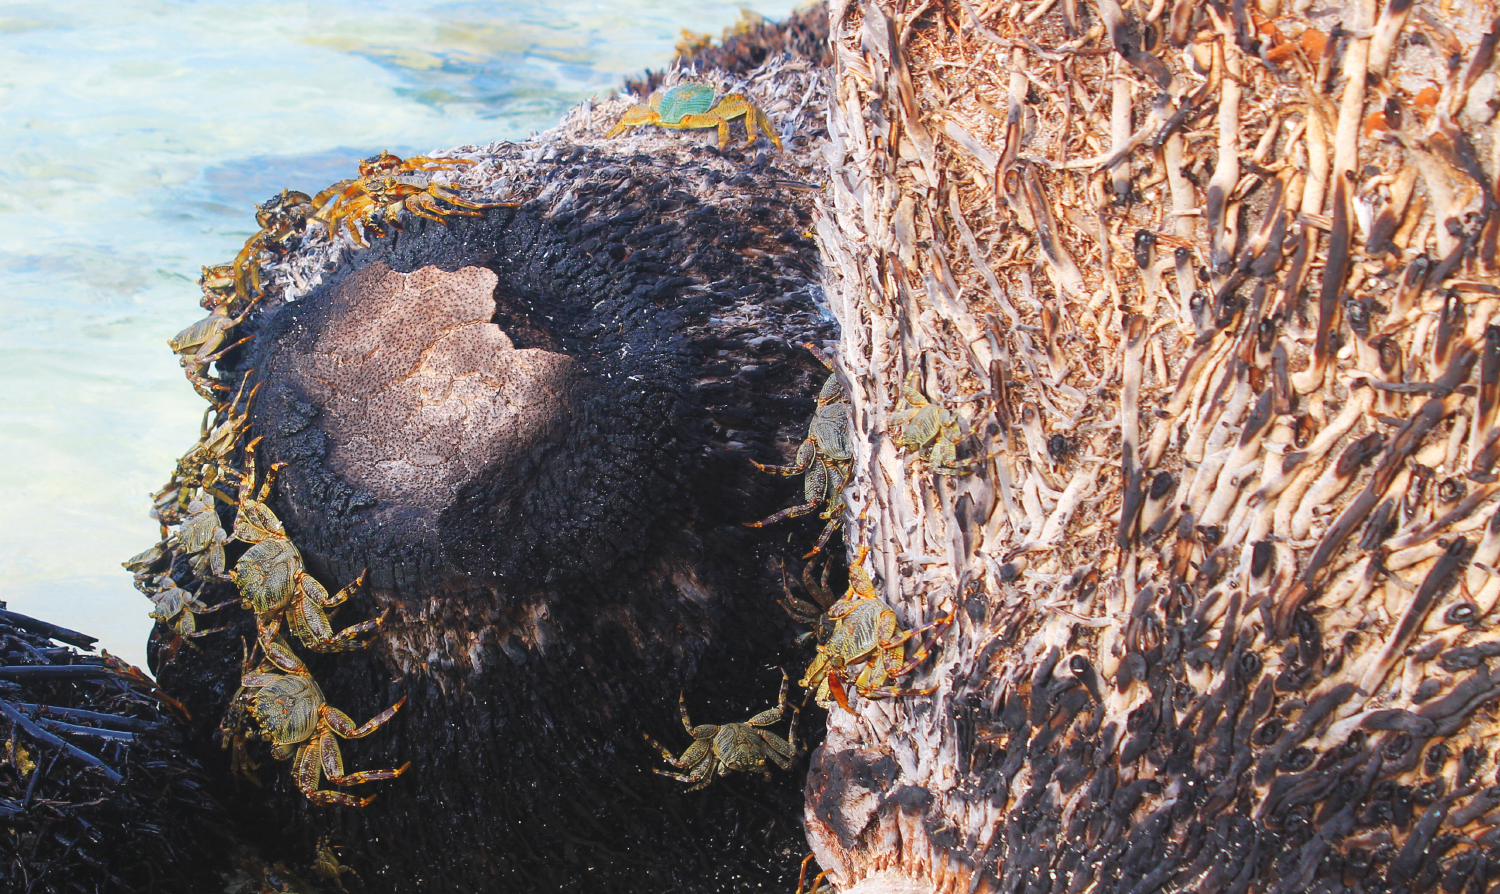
<point x="96" y="791"/>
<point x="1239" y="636"/>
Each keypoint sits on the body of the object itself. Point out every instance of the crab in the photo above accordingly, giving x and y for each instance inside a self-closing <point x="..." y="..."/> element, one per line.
<point x="826" y="458"/>
<point x="382" y="190"/>
<point x="929" y="431"/>
<point x="326" y="865"/>
<point x="217" y="283"/>
<point x="273" y="582"/>
<point x="232" y="727"/>
<point x="813" y="614"/>
<point x="202" y="537"/>
<point x="200" y="470"/>
<point x="295" y="718"/>
<point x="282" y="217"/>
<point x="178" y="609"/>
<point x="692" y="106"/>
<point x="731" y="746"/>
<point x="141" y="563"/>
<point x="865" y="630"/>
<point x="203" y="342"/>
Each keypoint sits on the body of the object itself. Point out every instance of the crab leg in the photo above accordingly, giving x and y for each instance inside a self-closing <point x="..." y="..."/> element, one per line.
<point x="449" y="196"/>
<point x="333" y="766"/>
<point x="312" y="627"/>
<point x="422" y="163"/>
<point x="307" y="770"/>
<point x="789" y="512"/>
<point x="238" y="268"/>
<point x="772" y="715"/>
<point x="806" y="454"/>
<point x="938" y="626"/>
<point x="340" y="723"/>
<point x="834" y="523"/>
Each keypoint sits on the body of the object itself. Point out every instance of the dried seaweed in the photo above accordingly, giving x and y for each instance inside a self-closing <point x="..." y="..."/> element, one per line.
<point x="95" y="794"/>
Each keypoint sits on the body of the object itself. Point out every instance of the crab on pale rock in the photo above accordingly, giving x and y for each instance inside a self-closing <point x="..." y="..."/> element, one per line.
<point x="825" y="458"/>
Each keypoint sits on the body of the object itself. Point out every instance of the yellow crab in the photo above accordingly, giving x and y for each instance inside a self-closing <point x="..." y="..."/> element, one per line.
<point x="297" y="721"/>
<point x="865" y="630"/>
<point x="273" y="582"/>
<point x="691" y="106"/>
<point x="382" y="190"/>
<point x="928" y="430"/>
<point x="731" y="746"/>
<point x="825" y="457"/>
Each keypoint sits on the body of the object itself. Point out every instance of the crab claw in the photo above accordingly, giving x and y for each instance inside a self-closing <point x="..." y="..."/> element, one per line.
<point x="836" y="686"/>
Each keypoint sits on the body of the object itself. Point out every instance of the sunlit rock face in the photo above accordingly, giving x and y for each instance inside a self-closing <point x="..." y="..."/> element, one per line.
<point x="422" y="391"/>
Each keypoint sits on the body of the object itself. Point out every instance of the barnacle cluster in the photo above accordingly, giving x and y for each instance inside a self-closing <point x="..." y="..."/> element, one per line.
<point x="217" y="480"/>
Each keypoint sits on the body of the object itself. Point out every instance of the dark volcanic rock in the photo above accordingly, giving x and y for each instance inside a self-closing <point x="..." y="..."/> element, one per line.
<point x="534" y="430"/>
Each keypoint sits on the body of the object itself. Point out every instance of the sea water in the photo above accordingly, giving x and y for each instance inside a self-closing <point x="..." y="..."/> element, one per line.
<point x="135" y="138"/>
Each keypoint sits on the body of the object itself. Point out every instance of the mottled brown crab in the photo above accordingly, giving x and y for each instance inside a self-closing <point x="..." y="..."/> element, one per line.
<point x="179" y="609"/>
<point x="202" y="537"/>
<point x="865" y="630"/>
<point x="282" y="217"/>
<point x="825" y="457"/>
<point x="273" y="582"/>
<point x="297" y="721"/>
<point x="326" y="865"/>
<point x="232" y="728"/>
<point x="217" y="283"/>
<point x="928" y="430"/>
<point x="731" y="746"/>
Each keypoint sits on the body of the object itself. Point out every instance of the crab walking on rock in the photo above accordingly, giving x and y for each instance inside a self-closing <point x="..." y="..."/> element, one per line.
<point x="732" y="746"/>
<point x="297" y="721"/>
<point x="825" y="458"/>
<point x="384" y="188"/>
<point x="691" y="106"/>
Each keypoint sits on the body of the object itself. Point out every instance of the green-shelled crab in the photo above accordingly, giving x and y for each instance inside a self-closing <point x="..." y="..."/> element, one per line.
<point x="691" y="106"/>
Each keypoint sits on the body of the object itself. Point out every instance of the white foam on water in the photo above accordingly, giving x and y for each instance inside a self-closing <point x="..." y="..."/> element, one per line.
<point x="136" y="137"/>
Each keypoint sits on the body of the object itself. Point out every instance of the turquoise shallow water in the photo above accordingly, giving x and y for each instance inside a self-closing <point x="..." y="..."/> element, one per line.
<point x="136" y="136"/>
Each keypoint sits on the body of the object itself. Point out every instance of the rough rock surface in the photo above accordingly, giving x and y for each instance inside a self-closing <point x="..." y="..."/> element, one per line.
<point x="534" y="429"/>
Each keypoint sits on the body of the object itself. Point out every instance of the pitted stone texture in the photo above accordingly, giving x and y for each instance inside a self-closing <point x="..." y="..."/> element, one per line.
<point x="420" y="390"/>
